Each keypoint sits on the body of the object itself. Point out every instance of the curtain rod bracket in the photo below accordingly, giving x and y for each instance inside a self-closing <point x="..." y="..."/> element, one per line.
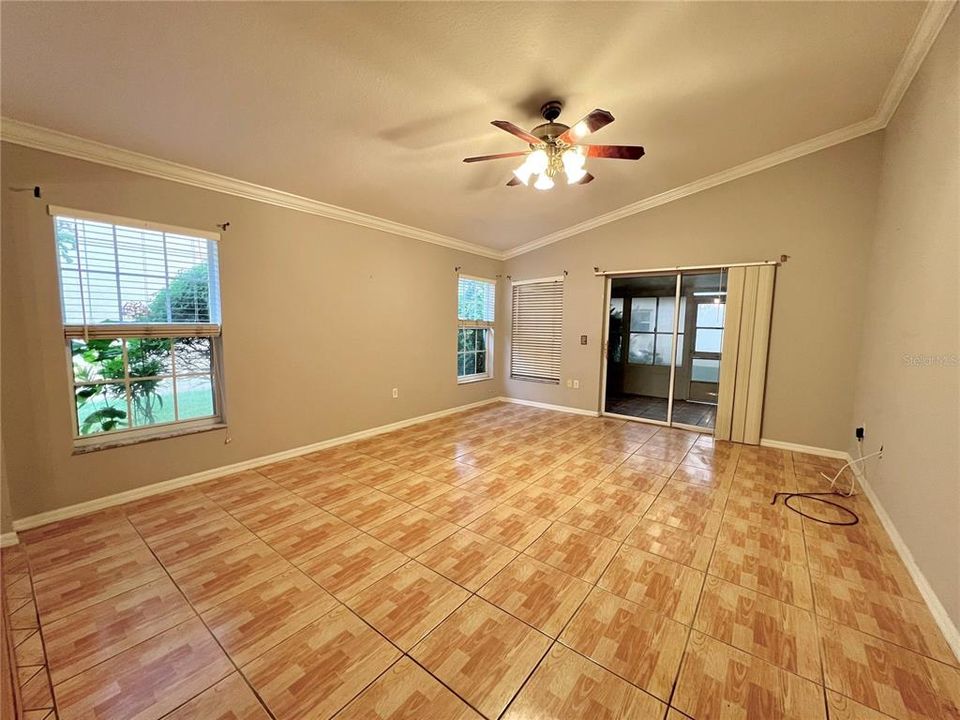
<point x="784" y="258"/>
<point x="223" y="226"/>
<point x="457" y="269"/>
<point x="35" y="190"/>
<point x="565" y="273"/>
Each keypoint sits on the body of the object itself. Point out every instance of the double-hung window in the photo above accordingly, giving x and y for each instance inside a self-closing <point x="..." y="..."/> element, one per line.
<point x="537" y="330"/>
<point x="476" y="309"/>
<point x="141" y="322"/>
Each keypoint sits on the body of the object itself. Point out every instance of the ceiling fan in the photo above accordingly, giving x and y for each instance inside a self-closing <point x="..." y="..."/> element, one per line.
<point x="555" y="148"/>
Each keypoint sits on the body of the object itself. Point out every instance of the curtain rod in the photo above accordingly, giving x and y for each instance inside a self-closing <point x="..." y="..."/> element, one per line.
<point x="602" y="273"/>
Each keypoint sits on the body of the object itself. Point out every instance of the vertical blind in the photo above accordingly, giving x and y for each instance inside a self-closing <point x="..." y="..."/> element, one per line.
<point x="119" y="279"/>
<point x="536" y="335"/>
<point x="476" y="301"/>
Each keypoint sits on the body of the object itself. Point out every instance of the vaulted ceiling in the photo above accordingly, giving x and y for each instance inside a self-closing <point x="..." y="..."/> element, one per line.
<point x="372" y="106"/>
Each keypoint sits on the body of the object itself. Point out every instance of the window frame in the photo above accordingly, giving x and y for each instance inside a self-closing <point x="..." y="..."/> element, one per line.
<point x="487" y="326"/>
<point x="127" y="331"/>
<point x="656" y="333"/>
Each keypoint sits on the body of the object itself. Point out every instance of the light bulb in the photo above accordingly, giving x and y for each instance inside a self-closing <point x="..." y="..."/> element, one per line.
<point x="544" y="182"/>
<point x="575" y="175"/>
<point x="573" y="159"/>
<point x="537" y="161"/>
<point x="581" y="129"/>
<point x="523" y="173"/>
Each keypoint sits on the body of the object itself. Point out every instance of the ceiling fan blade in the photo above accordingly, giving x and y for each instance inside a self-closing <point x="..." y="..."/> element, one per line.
<point x="519" y="132"/>
<point x="589" y="124"/>
<point x="498" y="156"/>
<point x="513" y="181"/>
<point x="586" y="178"/>
<point x="617" y="152"/>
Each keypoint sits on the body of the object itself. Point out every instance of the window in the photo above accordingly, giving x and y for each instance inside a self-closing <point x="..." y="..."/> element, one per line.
<point x="476" y="309"/>
<point x="651" y="330"/>
<point x="141" y="320"/>
<point x="536" y="330"/>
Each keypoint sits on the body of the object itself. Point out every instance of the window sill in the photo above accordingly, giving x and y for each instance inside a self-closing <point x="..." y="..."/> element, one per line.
<point x="117" y="442"/>
<point x="471" y="379"/>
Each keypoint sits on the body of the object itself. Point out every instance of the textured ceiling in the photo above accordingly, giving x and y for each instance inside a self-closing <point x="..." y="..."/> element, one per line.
<point x="372" y="106"/>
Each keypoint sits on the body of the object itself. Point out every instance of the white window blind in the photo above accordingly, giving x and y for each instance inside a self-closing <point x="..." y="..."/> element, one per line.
<point x="537" y="322"/>
<point x="121" y="278"/>
<point x="476" y="301"/>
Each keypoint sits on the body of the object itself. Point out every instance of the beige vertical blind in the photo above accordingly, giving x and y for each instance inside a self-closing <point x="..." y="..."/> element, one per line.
<point x="743" y="368"/>
<point x="536" y="325"/>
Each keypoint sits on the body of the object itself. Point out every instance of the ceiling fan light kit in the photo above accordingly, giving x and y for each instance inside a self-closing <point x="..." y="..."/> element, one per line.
<point x="555" y="150"/>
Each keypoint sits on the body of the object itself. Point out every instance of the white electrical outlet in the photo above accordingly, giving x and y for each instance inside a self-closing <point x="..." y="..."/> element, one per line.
<point x="569" y="382"/>
<point x="396" y="393"/>
<point x="576" y="384"/>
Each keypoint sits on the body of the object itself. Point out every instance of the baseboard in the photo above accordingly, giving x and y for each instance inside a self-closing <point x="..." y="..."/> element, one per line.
<point x="90" y="506"/>
<point x="794" y="447"/>
<point x="939" y="612"/>
<point x="548" y="406"/>
<point x="8" y="539"/>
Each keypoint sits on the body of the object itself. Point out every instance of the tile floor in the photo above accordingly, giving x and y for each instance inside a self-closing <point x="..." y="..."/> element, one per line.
<point x="506" y="562"/>
<point x="701" y="415"/>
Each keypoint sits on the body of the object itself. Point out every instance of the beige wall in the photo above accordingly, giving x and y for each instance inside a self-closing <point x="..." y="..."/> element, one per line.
<point x="913" y="308"/>
<point x="818" y="209"/>
<point x="321" y="320"/>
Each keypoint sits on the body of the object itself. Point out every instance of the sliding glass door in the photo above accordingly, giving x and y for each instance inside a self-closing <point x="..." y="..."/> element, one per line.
<point x="663" y="347"/>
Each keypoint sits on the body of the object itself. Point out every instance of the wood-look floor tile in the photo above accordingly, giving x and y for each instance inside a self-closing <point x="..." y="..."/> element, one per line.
<point x="567" y="686"/>
<point x="330" y="490"/>
<point x="568" y="481"/>
<point x="783" y="545"/>
<point x="71" y="529"/>
<point x="870" y="572"/>
<point x="655" y="582"/>
<point x="275" y="513"/>
<point x="467" y="558"/>
<point x="416" y="489"/>
<point x="249" y="492"/>
<point x="300" y="541"/>
<point x="701" y="476"/>
<point x="536" y="593"/>
<point x="509" y="526"/>
<point x="638" y="461"/>
<point x="229" y="699"/>
<point x="383" y="473"/>
<point x="493" y="487"/>
<point x="200" y="541"/>
<point x="886" y="677"/>
<point x="405" y="692"/>
<point x="759" y="511"/>
<point x="95" y="544"/>
<point x="843" y="708"/>
<point x="148" y="680"/>
<point x="13" y="558"/>
<point x="98" y="632"/>
<point x="629" y="640"/>
<point x="695" y="496"/>
<point x="23" y="614"/>
<point x="781" y="634"/>
<point x="617" y="497"/>
<point x="764" y="572"/>
<point x="574" y="551"/>
<point x="370" y="510"/>
<point x="452" y="472"/>
<point x="459" y="506"/>
<point x="413" y="532"/>
<point x="285" y="469"/>
<point x="671" y="543"/>
<point x="666" y="453"/>
<point x="482" y="654"/>
<point x="35" y="692"/>
<point x="892" y="618"/>
<point x="601" y="520"/>
<point x="28" y="649"/>
<point x="677" y="515"/>
<point x="542" y="502"/>
<point x="718" y="682"/>
<point x="351" y="566"/>
<point x="408" y="603"/>
<point x="636" y="479"/>
<point x="85" y="585"/>
<point x="17" y="585"/>
<point x="321" y="668"/>
<point x="190" y="509"/>
<point x="249" y="624"/>
<point x="210" y="582"/>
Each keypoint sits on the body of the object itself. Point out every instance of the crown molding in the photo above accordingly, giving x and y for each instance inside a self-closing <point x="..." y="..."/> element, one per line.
<point x="39" y="138"/>
<point x="934" y="17"/>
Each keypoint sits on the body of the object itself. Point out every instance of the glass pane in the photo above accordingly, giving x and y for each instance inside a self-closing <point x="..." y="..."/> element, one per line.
<point x="481" y="362"/>
<point x="664" y="348"/>
<point x="470" y="340"/>
<point x="96" y="360"/>
<point x="615" y="330"/>
<point x="470" y="364"/>
<point x="461" y="340"/>
<point x="461" y="362"/>
<point x="665" y="315"/>
<point x="710" y="315"/>
<point x="643" y="314"/>
<point x="100" y="408"/>
<point x="616" y="308"/>
<point x="192" y="354"/>
<point x="481" y="340"/>
<point x="708" y="340"/>
<point x="149" y="357"/>
<point x="641" y="348"/>
<point x="476" y="299"/>
<point x="704" y="370"/>
<point x="152" y="402"/>
<point x="195" y="397"/>
<point x="680" y="346"/>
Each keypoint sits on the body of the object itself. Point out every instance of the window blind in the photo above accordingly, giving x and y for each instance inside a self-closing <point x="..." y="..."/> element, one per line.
<point x="122" y="279"/>
<point x="537" y="320"/>
<point x="476" y="301"/>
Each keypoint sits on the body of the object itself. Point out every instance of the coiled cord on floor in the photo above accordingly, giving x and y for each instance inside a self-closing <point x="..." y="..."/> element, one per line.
<point x="817" y="498"/>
